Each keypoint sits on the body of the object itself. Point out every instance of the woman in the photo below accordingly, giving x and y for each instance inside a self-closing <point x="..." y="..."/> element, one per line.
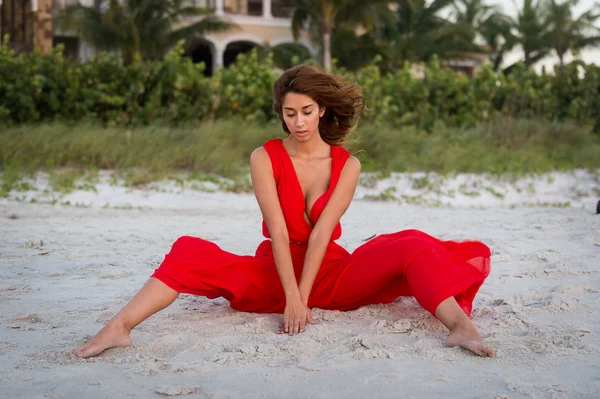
<point x="303" y="185"/>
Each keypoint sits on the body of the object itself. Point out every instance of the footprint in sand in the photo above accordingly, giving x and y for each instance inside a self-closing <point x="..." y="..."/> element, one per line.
<point x="535" y="300"/>
<point x="167" y="390"/>
<point x="548" y="302"/>
<point x="384" y="378"/>
<point x="32" y="318"/>
<point x="577" y="289"/>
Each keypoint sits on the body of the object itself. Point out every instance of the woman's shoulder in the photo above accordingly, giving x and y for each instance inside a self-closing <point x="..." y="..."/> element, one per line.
<point x="270" y="144"/>
<point x="266" y="157"/>
<point x="267" y="149"/>
<point x="344" y="163"/>
<point x="342" y="150"/>
<point x="341" y="153"/>
<point x="352" y="165"/>
<point x="353" y="162"/>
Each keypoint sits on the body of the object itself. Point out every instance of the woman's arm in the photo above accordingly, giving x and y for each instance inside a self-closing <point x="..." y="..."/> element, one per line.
<point x="321" y="234"/>
<point x="265" y="191"/>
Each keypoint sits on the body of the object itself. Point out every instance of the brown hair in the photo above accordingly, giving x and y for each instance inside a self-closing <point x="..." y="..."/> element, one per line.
<point x="343" y="101"/>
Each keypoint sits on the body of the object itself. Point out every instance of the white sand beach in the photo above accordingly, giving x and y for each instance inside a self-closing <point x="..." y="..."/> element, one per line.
<point x="66" y="269"/>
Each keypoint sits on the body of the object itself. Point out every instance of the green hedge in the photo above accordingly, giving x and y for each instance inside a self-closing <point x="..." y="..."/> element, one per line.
<point x="457" y="100"/>
<point x="40" y="88"/>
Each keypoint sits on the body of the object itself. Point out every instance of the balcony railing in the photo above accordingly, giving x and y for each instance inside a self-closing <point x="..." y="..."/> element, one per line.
<point x="64" y="3"/>
<point x="255" y="8"/>
<point x="203" y="3"/>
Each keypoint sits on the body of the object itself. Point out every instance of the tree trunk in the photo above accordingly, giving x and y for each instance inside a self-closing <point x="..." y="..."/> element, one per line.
<point x="561" y="58"/>
<point x="498" y="60"/>
<point x="327" y="50"/>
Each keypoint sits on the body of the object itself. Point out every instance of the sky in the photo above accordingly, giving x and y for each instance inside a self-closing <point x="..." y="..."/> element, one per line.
<point x="589" y="56"/>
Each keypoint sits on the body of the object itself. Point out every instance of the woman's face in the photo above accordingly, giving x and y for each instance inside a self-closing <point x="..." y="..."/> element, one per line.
<point x="301" y="115"/>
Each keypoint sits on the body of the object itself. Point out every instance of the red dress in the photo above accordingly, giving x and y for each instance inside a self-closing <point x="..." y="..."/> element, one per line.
<point x="406" y="263"/>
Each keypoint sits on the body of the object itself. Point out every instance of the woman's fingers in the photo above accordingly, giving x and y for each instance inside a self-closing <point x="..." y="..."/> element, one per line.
<point x="293" y="325"/>
<point x="286" y="324"/>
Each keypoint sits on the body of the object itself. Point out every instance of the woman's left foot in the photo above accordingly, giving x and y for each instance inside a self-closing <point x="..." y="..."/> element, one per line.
<point x="111" y="336"/>
<point x="466" y="336"/>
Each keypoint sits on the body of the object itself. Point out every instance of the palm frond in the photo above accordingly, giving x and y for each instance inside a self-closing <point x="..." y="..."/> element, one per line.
<point x="300" y="17"/>
<point x="139" y="28"/>
<point x="89" y="24"/>
<point x="201" y="28"/>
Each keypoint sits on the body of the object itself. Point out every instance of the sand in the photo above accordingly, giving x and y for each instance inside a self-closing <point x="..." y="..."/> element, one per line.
<point x="65" y="270"/>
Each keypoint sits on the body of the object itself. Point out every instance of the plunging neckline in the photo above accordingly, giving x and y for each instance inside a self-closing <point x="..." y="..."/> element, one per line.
<point x="308" y="215"/>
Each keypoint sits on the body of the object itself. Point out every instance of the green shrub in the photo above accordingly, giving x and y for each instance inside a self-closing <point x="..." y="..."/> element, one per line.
<point x="42" y="88"/>
<point x="36" y="88"/>
<point x="244" y="89"/>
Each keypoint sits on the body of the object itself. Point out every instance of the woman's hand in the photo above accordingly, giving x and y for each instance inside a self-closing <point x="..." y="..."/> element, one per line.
<point x="295" y="317"/>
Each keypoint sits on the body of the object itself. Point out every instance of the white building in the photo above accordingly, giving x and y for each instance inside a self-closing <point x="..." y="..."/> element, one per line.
<point x="259" y="22"/>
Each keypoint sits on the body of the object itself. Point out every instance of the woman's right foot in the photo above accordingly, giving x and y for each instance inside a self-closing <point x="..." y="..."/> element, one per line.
<point x="466" y="336"/>
<point x="111" y="336"/>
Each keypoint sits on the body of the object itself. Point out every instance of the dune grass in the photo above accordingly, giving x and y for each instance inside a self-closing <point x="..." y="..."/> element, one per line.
<point x="222" y="148"/>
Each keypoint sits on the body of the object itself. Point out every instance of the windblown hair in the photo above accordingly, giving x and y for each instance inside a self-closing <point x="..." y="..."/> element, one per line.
<point x="343" y="101"/>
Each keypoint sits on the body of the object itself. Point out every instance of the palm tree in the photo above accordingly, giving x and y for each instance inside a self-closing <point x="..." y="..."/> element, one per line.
<point x="531" y="31"/>
<point x="420" y="32"/>
<point x="139" y="29"/>
<point x="492" y="26"/>
<point x="473" y="12"/>
<point x="569" y="34"/>
<point x="286" y="55"/>
<point x="496" y="31"/>
<point x="354" y="50"/>
<point x="321" y="17"/>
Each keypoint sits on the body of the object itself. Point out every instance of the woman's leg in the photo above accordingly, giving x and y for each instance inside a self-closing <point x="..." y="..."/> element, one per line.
<point x="462" y="331"/>
<point x="153" y="297"/>
<point x="411" y="263"/>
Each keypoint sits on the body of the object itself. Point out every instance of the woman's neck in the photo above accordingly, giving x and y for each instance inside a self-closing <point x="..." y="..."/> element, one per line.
<point x="314" y="148"/>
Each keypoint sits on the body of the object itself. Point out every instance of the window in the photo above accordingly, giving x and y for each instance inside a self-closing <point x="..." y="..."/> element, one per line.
<point x="279" y="9"/>
<point x="255" y="7"/>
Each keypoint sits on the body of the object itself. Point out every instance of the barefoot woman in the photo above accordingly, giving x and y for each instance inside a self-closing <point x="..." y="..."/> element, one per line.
<point x="303" y="185"/>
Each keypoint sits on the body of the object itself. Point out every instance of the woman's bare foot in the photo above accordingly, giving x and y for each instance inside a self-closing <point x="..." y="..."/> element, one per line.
<point x="466" y="336"/>
<point x="111" y="336"/>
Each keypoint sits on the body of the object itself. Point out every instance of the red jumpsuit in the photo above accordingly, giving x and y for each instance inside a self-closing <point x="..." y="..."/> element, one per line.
<point x="406" y="263"/>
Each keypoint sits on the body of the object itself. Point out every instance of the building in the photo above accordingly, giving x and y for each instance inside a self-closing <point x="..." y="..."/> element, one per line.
<point x="470" y="63"/>
<point x="260" y="22"/>
<point x="28" y="22"/>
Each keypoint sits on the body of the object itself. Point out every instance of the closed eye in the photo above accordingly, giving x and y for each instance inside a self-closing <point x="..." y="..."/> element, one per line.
<point x="292" y="115"/>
